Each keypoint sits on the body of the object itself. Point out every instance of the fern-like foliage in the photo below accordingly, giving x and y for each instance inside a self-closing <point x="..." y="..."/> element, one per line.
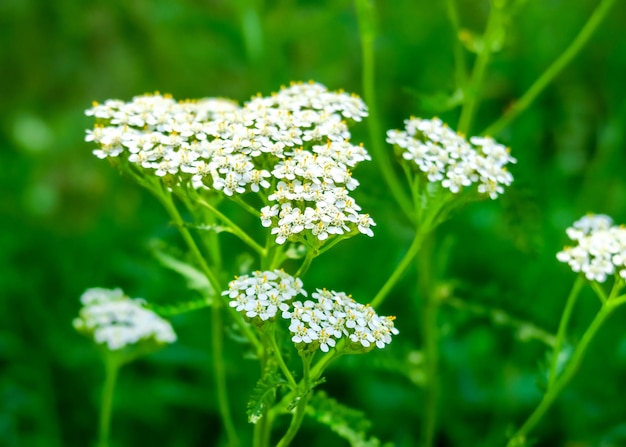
<point x="348" y="423"/>
<point x="264" y="393"/>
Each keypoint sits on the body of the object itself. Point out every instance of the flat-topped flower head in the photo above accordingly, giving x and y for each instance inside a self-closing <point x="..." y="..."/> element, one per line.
<point x="292" y="147"/>
<point x="445" y="157"/>
<point x="331" y="315"/>
<point x="319" y="322"/>
<point x="262" y="294"/>
<point x="589" y="224"/>
<point x="116" y="321"/>
<point x="599" y="250"/>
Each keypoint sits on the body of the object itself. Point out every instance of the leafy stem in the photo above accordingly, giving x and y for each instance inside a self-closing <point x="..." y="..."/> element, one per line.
<point x="366" y="17"/>
<point x="557" y="382"/>
<point x="281" y="361"/>
<point x="380" y="297"/>
<point x="167" y="201"/>
<point x="560" y="336"/>
<point x="217" y="324"/>
<point x="234" y="228"/>
<point x="310" y="255"/>
<point x="314" y="374"/>
<point x="518" y="439"/>
<point x="430" y="336"/>
<point x="243" y="204"/>
<point x="600" y="293"/>
<point x="553" y="70"/>
<point x="112" y="365"/>
<point x="459" y="61"/>
<point x="305" y="392"/>
<point x="472" y="92"/>
<point x="296" y="422"/>
<point x="322" y="364"/>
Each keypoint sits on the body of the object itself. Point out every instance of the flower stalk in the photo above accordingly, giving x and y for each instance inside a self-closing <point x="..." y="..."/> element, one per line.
<point x="519" y="438"/>
<point x="112" y="366"/>
<point x="552" y="71"/>
<point x="366" y="14"/>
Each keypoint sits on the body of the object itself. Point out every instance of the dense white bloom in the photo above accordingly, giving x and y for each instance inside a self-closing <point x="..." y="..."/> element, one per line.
<point x="589" y="224"/>
<point x="262" y="294"/>
<point x="332" y="315"/>
<point x="117" y="321"/>
<point x="292" y="146"/>
<point x="601" y="248"/>
<point x="446" y="157"/>
<point x="323" y="319"/>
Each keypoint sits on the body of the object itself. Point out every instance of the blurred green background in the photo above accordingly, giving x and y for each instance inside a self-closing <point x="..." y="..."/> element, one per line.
<point x="69" y="222"/>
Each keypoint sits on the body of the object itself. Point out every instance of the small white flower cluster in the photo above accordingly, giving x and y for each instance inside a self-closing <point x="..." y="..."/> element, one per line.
<point x="335" y="314"/>
<point x="264" y="293"/>
<point x="600" y="250"/>
<point x="313" y="193"/>
<point x="294" y="143"/>
<point x="117" y="321"/>
<point x="444" y="156"/>
<point x="322" y="321"/>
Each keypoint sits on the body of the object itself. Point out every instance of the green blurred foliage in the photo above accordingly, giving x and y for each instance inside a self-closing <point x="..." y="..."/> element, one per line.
<point x="69" y="222"/>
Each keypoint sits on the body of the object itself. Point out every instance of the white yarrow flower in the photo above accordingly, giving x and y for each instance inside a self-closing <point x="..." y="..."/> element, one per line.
<point x="323" y="320"/>
<point x="600" y="249"/>
<point x="117" y="321"/>
<point x="447" y="158"/>
<point x="333" y="315"/>
<point x="291" y="147"/>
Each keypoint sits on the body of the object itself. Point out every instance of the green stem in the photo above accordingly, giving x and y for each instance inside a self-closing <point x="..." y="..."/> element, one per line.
<point x="570" y="370"/>
<point x="599" y="292"/>
<point x="209" y="239"/>
<point x="400" y="269"/>
<point x="553" y="71"/>
<point x="560" y="336"/>
<point x="472" y="93"/>
<point x="269" y="252"/>
<point x="298" y="416"/>
<point x="430" y="333"/>
<point x="315" y="373"/>
<point x="216" y="317"/>
<point x="296" y="422"/>
<point x="166" y="199"/>
<point x="263" y="430"/>
<point x="274" y="254"/>
<point x="366" y="17"/>
<point x="252" y="31"/>
<point x="305" y="264"/>
<point x="217" y="343"/>
<point x="281" y="361"/>
<point x="242" y="203"/>
<point x="430" y="337"/>
<point x="322" y="364"/>
<point x="460" y="71"/>
<point x="618" y="301"/>
<point x="258" y="434"/>
<point x="335" y="240"/>
<point x="234" y="228"/>
<point x="111" y="369"/>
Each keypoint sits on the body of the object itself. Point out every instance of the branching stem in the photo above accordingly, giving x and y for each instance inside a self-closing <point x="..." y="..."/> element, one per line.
<point x="553" y="70"/>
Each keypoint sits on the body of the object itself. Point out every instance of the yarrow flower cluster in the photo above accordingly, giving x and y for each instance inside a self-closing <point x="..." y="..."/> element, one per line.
<point x="117" y="321"/>
<point x="446" y="157"/>
<point x="263" y="293"/>
<point x="600" y="249"/>
<point x="322" y="321"/>
<point x="294" y="144"/>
